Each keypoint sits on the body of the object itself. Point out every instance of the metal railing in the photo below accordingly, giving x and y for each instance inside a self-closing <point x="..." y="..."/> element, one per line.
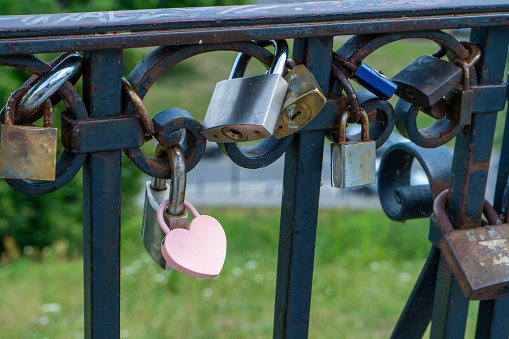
<point x="186" y="32"/>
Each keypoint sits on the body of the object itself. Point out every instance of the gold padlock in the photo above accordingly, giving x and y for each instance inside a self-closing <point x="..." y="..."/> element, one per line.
<point x="303" y="101"/>
<point x="27" y="152"/>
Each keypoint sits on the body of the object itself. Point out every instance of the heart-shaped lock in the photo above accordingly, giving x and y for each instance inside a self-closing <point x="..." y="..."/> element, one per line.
<point x="198" y="250"/>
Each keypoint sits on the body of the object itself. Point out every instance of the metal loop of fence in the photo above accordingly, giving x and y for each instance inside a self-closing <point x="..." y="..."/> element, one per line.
<point x="146" y="121"/>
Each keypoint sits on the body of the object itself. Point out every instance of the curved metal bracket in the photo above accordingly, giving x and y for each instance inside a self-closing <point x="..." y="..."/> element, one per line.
<point x="401" y="201"/>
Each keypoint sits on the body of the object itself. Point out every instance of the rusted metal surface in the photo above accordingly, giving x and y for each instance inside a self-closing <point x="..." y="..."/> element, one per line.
<point x="478" y="257"/>
<point x="167" y="124"/>
<point x="472" y="150"/>
<point x="146" y="121"/>
<point x="97" y="135"/>
<point x="438" y="134"/>
<point x="31" y="34"/>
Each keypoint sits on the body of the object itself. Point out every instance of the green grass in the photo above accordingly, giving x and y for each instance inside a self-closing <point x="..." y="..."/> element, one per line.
<point x="365" y="268"/>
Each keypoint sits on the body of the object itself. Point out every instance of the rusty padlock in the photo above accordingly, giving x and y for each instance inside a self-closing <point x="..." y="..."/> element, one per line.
<point x="303" y="101"/>
<point x="353" y="162"/>
<point x="478" y="257"/>
<point x="461" y="102"/>
<point x="27" y="152"/>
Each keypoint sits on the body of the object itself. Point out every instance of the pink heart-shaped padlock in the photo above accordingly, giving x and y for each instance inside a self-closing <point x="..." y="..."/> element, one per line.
<point x="199" y="250"/>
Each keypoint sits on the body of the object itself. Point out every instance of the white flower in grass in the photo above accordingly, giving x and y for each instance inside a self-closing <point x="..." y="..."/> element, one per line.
<point x="161" y="278"/>
<point x="237" y="271"/>
<point x="258" y="278"/>
<point x="329" y="291"/>
<point x="374" y="266"/>
<point x="251" y="265"/>
<point x="207" y="293"/>
<point x="44" y="320"/>
<point x="404" y="277"/>
<point x="51" y="308"/>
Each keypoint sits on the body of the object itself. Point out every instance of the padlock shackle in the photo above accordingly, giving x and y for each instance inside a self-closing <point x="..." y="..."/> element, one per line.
<point x="178" y="175"/>
<point x="160" y="214"/>
<point x="443" y="221"/>
<point x="347" y="87"/>
<point x="178" y="180"/>
<point x="50" y="83"/>
<point x="466" y="73"/>
<point x="475" y="53"/>
<point x="343" y="120"/>
<point x="13" y="105"/>
<point x="278" y="65"/>
<point x="239" y="66"/>
<point x="159" y="184"/>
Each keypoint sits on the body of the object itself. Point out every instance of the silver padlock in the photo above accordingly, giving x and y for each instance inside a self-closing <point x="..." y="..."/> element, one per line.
<point x="245" y="109"/>
<point x="353" y="162"/>
<point x="158" y="191"/>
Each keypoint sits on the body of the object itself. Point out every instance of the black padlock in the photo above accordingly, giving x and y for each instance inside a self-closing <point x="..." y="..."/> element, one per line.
<point x="427" y="80"/>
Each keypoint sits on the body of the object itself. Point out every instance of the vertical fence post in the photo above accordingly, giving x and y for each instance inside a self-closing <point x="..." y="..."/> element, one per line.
<point x="493" y="316"/>
<point x="299" y="209"/>
<point x="470" y="167"/>
<point x="101" y="201"/>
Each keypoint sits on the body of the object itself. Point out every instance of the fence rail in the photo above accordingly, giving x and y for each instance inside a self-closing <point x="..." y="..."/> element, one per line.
<point x="186" y="32"/>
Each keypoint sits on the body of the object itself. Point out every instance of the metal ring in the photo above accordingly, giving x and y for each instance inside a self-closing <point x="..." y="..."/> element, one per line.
<point x="260" y="155"/>
<point x="68" y="164"/>
<point x="401" y="201"/>
<point x="146" y="121"/>
<point x="438" y="134"/>
<point x="162" y="59"/>
<point x="50" y="83"/>
<point x="167" y="126"/>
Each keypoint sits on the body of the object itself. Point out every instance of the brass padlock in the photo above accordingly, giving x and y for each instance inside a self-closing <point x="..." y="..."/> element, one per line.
<point x="245" y="109"/>
<point x="478" y="257"/>
<point x="303" y="101"/>
<point x="27" y="152"/>
<point x="353" y="162"/>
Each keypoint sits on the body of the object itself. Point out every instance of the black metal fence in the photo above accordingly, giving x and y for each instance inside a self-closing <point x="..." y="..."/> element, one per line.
<point x="186" y="32"/>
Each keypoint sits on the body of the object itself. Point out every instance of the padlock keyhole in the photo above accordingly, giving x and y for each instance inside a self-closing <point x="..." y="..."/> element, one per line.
<point x="503" y="290"/>
<point x="293" y="117"/>
<point x="234" y="134"/>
